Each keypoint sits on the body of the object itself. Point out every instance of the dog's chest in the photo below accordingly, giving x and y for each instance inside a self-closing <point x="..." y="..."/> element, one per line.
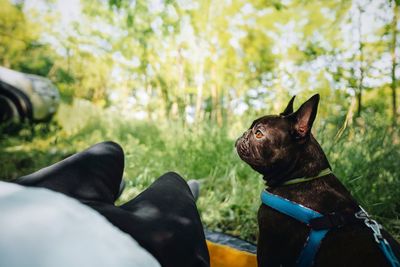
<point x="280" y="237"/>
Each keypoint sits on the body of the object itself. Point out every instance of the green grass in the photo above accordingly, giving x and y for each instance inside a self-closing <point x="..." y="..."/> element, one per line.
<point x="365" y="158"/>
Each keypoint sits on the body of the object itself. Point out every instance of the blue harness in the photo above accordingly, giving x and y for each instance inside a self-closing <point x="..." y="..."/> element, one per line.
<point x="317" y="234"/>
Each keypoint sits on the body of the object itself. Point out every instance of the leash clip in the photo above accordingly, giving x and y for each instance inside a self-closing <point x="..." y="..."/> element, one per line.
<point x="376" y="228"/>
<point x="361" y="214"/>
<point x="372" y="224"/>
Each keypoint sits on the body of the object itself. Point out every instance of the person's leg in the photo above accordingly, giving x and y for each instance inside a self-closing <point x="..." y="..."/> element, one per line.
<point x="165" y="221"/>
<point x="92" y="175"/>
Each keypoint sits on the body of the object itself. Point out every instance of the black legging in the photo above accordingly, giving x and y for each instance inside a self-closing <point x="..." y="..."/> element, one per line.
<point x="163" y="219"/>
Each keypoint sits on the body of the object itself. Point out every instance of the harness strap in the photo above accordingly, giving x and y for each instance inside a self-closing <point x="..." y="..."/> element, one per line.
<point x="382" y="242"/>
<point x="321" y="224"/>
<point x="307" y="255"/>
<point x="387" y="250"/>
<point x="334" y="220"/>
<point x="302" y="214"/>
<point x="289" y="208"/>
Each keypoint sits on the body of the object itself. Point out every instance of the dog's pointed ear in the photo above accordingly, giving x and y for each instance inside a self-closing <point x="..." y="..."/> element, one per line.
<point x="304" y="117"/>
<point x="289" y="109"/>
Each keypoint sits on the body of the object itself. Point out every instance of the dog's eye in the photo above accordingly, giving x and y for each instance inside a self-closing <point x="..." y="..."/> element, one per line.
<point x="259" y="134"/>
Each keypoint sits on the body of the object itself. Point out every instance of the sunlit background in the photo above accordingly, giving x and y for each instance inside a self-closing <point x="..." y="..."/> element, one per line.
<point x="175" y="82"/>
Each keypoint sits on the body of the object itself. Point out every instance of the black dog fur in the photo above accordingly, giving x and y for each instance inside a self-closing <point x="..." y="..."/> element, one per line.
<point x="282" y="148"/>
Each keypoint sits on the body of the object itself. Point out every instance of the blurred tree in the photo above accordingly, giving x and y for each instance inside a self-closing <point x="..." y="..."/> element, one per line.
<point x="208" y="59"/>
<point x="20" y="47"/>
<point x="393" y="47"/>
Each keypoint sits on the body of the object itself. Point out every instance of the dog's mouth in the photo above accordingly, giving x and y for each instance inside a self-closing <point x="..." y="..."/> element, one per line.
<point x="245" y="150"/>
<point x="242" y="146"/>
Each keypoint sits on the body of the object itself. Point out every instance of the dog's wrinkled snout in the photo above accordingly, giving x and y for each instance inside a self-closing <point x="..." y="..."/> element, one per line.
<point x="240" y="138"/>
<point x="242" y="145"/>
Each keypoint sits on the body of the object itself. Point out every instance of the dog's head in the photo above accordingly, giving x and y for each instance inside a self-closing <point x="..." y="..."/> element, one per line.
<point x="274" y="143"/>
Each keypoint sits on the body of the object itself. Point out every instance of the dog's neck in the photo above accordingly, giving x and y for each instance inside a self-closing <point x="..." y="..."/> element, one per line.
<point x="307" y="163"/>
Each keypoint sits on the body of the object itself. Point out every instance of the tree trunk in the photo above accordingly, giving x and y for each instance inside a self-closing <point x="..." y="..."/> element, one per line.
<point x="165" y="96"/>
<point x="394" y="63"/>
<point x="181" y="97"/>
<point x="360" y="86"/>
<point x="199" y="97"/>
<point x="216" y="114"/>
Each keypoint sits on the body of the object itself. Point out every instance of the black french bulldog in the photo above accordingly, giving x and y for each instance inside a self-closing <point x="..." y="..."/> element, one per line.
<point x="282" y="148"/>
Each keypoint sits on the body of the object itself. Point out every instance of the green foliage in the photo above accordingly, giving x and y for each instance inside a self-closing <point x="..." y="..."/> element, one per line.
<point x="191" y="68"/>
<point x="19" y="46"/>
<point x="364" y="158"/>
<point x="370" y="171"/>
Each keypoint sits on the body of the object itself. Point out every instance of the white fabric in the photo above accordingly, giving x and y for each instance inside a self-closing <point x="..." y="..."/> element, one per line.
<point x="42" y="228"/>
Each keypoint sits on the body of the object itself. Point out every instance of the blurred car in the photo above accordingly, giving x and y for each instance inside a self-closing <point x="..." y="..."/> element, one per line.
<point x="26" y="97"/>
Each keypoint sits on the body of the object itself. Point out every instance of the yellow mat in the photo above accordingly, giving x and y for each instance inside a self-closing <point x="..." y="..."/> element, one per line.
<point x="225" y="256"/>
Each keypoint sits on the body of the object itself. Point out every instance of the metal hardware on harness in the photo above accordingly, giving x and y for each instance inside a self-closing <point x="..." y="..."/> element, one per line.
<point x="382" y="242"/>
<point x="320" y="225"/>
<point x="372" y="224"/>
<point x="375" y="227"/>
